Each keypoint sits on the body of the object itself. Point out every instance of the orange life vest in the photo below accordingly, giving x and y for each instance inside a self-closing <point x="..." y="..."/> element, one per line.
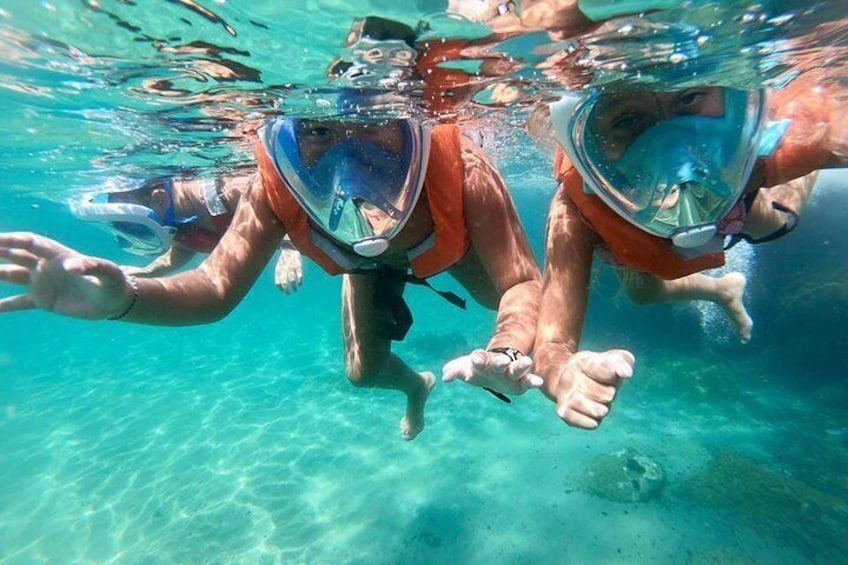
<point x="443" y="187"/>
<point x="805" y="147"/>
<point x="817" y="116"/>
<point x="632" y="247"/>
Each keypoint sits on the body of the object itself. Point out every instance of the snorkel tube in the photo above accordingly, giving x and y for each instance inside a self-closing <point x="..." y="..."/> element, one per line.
<point x="138" y="229"/>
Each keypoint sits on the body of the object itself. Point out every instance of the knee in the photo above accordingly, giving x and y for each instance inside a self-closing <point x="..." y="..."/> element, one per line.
<point x="363" y="371"/>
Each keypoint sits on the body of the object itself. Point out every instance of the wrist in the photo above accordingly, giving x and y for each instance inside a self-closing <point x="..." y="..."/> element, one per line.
<point x="131" y="286"/>
<point x="549" y="363"/>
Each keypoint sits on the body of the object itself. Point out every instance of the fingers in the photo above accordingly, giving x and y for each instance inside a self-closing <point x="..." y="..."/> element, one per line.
<point x="14" y="274"/>
<point x="467" y="367"/>
<point x="459" y="368"/>
<point x="16" y="303"/>
<point x="283" y="285"/>
<point x="295" y="279"/>
<point x="584" y="411"/>
<point x="288" y="275"/>
<point x="518" y="368"/>
<point x="42" y="247"/>
<point x="281" y="279"/>
<point x="577" y="419"/>
<point x="19" y="257"/>
<point x="588" y="386"/>
<point x="529" y="381"/>
<point x="608" y="367"/>
<point x="519" y="372"/>
<point x="495" y="371"/>
<point x="623" y="356"/>
<point x="479" y="360"/>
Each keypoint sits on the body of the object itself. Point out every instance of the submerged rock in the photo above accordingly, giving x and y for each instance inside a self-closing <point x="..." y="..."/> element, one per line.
<point x="626" y="476"/>
<point x="773" y="504"/>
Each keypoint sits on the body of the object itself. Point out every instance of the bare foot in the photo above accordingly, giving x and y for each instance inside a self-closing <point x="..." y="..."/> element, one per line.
<point x="413" y="422"/>
<point x="732" y="290"/>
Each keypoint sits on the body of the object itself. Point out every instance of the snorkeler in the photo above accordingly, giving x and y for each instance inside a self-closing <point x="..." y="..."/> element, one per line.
<point x="383" y="202"/>
<point x="659" y="181"/>
<point x="177" y="218"/>
<point x="760" y="219"/>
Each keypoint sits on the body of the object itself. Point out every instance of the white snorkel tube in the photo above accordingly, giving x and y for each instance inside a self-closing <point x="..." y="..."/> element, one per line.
<point x="138" y="229"/>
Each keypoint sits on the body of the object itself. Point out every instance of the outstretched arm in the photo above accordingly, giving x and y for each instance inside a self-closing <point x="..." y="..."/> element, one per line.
<point x="584" y="383"/>
<point x="569" y="247"/>
<point x="501" y="245"/>
<point x="212" y="290"/>
<point x="61" y="280"/>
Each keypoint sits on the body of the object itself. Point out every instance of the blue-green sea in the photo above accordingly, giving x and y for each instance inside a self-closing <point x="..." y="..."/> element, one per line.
<point x="243" y="442"/>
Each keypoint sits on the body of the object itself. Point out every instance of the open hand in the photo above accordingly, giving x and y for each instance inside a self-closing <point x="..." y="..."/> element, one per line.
<point x="587" y="385"/>
<point x="59" y="279"/>
<point x="493" y="370"/>
<point x="288" y="274"/>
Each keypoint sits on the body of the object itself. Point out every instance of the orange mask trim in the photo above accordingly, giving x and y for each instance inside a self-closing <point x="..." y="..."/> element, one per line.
<point x="633" y="248"/>
<point x="815" y="115"/>
<point x="806" y="146"/>
<point x="443" y="187"/>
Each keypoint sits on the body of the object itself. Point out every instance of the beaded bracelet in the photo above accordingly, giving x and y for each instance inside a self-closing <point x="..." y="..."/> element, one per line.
<point x="134" y="285"/>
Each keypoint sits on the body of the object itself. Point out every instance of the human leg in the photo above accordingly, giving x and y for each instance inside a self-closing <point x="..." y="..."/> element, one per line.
<point x="369" y="360"/>
<point x="726" y="291"/>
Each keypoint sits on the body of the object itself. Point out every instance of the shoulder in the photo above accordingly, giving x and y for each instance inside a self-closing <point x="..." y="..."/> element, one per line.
<point x="480" y="173"/>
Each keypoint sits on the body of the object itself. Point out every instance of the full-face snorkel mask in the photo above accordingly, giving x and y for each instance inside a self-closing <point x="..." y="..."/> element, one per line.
<point x="674" y="175"/>
<point x="358" y="180"/>
<point x="138" y="229"/>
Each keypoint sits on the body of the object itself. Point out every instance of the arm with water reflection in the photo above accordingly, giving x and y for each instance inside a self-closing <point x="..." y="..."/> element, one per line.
<point x="62" y="280"/>
<point x="500" y="249"/>
<point x="664" y="266"/>
<point x="581" y="384"/>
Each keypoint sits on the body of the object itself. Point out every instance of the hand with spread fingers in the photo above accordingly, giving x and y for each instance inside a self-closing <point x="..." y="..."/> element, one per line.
<point x="60" y="279"/>
<point x="288" y="273"/>
<point x="493" y="370"/>
<point x="588" y="383"/>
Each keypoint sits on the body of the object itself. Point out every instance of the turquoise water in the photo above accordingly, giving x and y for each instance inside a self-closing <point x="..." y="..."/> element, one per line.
<point x="242" y="442"/>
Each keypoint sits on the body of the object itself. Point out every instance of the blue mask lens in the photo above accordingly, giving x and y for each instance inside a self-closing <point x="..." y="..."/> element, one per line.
<point x="357" y="171"/>
<point x="677" y="152"/>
